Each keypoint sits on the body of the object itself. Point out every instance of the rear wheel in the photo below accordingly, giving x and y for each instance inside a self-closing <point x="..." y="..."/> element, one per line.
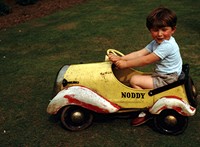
<point x="170" y="122"/>
<point x="76" y="118"/>
<point x="191" y="92"/>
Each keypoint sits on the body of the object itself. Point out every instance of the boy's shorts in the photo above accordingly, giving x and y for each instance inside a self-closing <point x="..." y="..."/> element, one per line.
<point x="160" y="80"/>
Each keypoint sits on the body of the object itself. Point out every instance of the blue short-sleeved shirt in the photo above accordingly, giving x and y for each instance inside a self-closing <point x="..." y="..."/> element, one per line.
<point x="169" y="53"/>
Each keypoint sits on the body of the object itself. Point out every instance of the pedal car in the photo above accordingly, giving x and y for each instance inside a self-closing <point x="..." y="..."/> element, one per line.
<point x="83" y="90"/>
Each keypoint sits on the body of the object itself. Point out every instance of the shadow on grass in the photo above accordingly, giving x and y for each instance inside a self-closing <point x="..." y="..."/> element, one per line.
<point x="99" y="118"/>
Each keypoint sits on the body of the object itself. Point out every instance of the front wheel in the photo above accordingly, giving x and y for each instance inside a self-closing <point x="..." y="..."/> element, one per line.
<point x="76" y="118"/>
<point x="170" y="122"/>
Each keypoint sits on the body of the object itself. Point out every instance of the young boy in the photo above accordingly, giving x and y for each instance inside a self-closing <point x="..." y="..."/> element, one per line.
<point x="163" y="50"/>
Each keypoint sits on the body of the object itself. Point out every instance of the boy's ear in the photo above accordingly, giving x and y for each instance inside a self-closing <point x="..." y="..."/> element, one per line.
<point x="174" y="29"/>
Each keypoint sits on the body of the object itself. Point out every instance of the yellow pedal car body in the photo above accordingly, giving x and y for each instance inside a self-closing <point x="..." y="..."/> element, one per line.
<point x="84" y="89"/>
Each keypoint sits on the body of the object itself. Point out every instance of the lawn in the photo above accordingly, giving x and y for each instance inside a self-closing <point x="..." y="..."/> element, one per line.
<point x="31" y="54"/>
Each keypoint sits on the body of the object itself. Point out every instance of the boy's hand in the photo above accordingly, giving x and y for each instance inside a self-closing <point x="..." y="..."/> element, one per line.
<point x="114" y="58"/>
<point x="121" y="64"/>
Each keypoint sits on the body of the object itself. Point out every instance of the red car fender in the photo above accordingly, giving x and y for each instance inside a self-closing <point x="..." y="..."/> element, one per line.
<point x="175" y="103"/>
<point x="84" y="97"/>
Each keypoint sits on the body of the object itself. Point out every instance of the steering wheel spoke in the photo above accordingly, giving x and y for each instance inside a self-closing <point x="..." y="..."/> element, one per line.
<point x="115" y="52"/>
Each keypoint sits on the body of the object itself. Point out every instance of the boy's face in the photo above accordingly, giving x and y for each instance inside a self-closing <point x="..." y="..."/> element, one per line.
<point x="161" y="34"/>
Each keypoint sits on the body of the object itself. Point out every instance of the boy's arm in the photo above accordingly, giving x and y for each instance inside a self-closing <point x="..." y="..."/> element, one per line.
<point x="130" y="56"/>
<point x="137" y="62"/>
<point x="136" y="54"/>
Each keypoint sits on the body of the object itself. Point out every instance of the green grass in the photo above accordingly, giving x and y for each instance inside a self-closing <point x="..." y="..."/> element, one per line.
<point x="32" y="53"/>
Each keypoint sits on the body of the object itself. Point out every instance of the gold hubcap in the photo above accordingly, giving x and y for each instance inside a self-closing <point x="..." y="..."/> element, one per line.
<point x="171" y="120"/>
<point x="77" y="117"/>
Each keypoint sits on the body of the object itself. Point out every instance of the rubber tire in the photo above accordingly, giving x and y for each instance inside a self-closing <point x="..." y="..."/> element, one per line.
<point x="76" y="125"/>
<point x="191" y="92"/>
<point x="174" y="129"/>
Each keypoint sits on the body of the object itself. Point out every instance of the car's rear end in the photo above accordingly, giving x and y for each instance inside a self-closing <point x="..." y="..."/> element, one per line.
<point x="174" y="103"/>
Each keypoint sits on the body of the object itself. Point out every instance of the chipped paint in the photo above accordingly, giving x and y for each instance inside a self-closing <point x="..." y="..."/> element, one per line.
<point x="84" y="97"/>
<point x="175" y="103"/>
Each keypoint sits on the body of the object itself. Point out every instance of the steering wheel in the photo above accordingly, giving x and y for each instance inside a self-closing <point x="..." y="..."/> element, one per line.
<point x="115" y="52"/>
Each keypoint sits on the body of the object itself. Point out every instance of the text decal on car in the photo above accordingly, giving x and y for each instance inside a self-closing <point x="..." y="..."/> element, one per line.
<point x="132" y="95"/>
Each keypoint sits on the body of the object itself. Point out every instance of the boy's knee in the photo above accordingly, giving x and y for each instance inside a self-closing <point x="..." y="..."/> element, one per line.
<point x="133" y="81"/>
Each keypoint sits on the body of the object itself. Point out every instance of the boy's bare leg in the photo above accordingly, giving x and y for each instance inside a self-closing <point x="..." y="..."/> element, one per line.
<point x="142" y="81"/>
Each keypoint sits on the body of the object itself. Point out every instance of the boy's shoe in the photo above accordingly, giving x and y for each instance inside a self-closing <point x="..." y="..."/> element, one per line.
<point x="141" y="119"/>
